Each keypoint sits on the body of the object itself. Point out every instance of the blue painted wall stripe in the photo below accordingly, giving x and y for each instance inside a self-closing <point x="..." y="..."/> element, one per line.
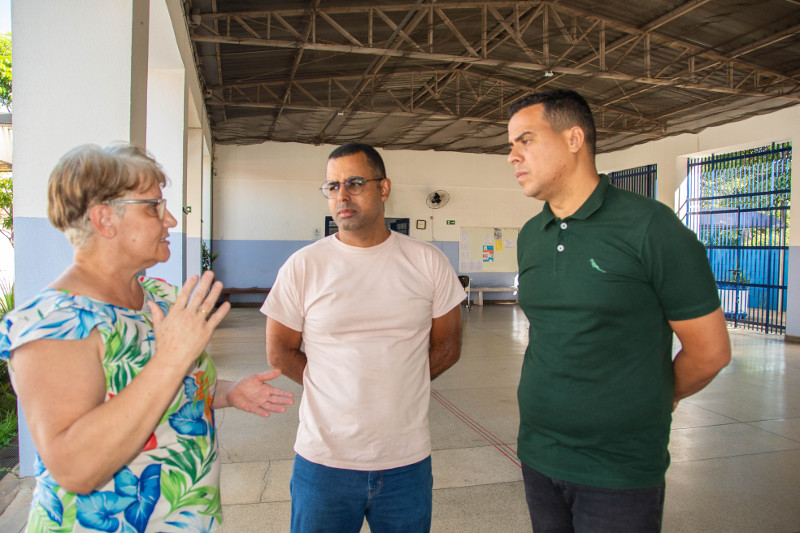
<point x="41" y="253"/>
<point x="249" y="263"/>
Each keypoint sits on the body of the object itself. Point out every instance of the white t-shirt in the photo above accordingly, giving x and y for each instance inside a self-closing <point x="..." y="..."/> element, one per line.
<point x="365" y="315"/>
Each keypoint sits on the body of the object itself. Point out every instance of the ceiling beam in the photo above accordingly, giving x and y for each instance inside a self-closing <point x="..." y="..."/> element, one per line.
<point x="494" y="63"/>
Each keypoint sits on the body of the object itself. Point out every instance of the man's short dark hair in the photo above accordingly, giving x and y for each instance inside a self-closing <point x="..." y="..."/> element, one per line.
<point x="563" y="108"/>
<point x="374" y="159"/>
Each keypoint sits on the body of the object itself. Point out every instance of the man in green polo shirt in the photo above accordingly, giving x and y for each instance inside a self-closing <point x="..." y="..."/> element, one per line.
<point x="605" y="278"/>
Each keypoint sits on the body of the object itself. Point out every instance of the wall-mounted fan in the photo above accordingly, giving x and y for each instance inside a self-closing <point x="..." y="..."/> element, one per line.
<point x="437" y="199"/>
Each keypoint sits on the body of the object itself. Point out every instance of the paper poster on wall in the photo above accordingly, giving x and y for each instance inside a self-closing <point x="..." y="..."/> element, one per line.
<point x="464" y="251"/>
<point x="488" y="249"/>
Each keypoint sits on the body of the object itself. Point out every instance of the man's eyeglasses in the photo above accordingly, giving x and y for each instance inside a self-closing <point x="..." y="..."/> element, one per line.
<point x="352" y="185"/>
<point x="159" y="204"/>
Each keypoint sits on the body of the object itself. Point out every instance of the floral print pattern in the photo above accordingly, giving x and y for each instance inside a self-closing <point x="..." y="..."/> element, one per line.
<point x="173" y="484"/>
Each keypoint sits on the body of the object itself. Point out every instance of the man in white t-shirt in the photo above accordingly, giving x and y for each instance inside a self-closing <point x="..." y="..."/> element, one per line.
<point x="377" y="315"/>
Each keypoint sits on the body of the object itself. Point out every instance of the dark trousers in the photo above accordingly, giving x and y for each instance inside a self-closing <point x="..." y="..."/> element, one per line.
<point x="560" y="507"/>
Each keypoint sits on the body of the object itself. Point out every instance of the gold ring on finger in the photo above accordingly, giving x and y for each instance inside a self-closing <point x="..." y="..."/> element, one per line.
<point x="204" y="311"/>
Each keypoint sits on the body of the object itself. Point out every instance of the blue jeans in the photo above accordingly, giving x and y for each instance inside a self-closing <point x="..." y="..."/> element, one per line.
<point x="337" y="500"/>
<point x="560" y="507"/>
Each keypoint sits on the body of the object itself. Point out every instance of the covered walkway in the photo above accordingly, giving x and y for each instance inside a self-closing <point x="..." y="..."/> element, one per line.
<point x="735" y="446"/>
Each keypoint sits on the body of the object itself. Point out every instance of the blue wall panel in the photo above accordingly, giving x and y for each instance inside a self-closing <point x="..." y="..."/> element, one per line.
<point x="256" y="264"/>
<point x="41" y="253"/>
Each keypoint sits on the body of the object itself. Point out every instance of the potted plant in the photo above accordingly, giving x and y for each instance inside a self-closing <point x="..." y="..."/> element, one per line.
<point x="734" y="294"/>
<point x="207" y="258"/>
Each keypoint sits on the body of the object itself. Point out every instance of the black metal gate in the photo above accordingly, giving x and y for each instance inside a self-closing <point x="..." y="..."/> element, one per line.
<point x="640" y="179"/>
<point x="738" y="205"/>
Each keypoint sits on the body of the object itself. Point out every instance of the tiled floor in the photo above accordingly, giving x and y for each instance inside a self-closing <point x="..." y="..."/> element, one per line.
<point x="735" y="446"/>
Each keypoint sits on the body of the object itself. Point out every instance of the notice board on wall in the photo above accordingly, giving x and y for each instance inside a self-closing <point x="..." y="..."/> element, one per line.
<point x="488" y="250"/>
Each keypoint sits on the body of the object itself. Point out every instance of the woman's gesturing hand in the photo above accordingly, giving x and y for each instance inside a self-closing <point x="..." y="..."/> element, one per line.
<point x="254" y="395"/>
<point x="184" y="332"/>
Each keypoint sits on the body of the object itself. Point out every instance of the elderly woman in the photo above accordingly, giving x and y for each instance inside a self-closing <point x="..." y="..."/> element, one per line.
<point x="109" y="367"/>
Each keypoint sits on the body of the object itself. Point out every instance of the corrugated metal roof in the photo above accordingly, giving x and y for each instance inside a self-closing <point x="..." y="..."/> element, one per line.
<point x="440" y="74"/>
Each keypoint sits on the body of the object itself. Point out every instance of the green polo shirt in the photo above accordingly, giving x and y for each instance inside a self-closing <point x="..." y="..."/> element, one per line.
<point x="598" y="288"/>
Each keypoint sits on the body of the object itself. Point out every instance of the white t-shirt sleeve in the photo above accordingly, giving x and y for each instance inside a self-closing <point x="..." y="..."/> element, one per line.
<point x="447" y="291"/>
<point x="284" y="302"/>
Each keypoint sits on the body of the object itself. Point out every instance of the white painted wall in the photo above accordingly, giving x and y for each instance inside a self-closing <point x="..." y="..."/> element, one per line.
<point x="271" y="191"/>
<point x="276" y="183"/>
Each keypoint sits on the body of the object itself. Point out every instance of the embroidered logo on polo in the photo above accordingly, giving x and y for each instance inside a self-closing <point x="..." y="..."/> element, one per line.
<point x="596" y="266"/>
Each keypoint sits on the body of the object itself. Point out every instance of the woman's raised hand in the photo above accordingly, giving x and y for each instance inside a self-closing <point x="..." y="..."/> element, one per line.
<point x="183" y="333"/>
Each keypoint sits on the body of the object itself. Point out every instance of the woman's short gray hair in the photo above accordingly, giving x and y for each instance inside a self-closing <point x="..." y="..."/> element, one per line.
<point x="90" y="175"/>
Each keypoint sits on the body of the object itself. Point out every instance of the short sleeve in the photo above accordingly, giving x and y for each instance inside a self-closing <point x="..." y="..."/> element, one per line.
<point x="284" y="303"/>
<point x="448" y="291"/>
<point x="53" y="315"/>
<point x="678" y="267"/>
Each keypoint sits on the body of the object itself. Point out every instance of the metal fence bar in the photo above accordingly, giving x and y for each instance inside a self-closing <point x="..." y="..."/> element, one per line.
<point x="641" y="180"/>
<point x="738" y="205"/>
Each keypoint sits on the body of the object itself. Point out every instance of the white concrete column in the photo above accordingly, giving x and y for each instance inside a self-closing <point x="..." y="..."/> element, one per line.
<point x="207" y="197"/>
<point x="793" y="292"/>
<point x="166" y="141"/>
<point x="166" y="127"/>
<point x="80" y="74"/>
<point x="194" y="200"/>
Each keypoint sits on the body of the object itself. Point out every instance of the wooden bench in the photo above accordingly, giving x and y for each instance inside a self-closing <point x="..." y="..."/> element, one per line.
<point x="480" y="290"/>
<point x="227" y="291"/>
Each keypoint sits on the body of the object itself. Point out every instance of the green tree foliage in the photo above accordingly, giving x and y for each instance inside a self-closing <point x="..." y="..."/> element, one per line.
<point x="755" y="182"/>
<point x="5" y="70"/>
<point x="7" y="207"/>
<point x="8" y="401"/>
<point x="6" y="193"/>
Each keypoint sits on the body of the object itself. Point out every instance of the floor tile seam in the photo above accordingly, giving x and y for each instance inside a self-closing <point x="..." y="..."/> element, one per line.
<point x="751" y="424"/>
<point x="218" y="425"/>
<point x="745" y="423"/>
<point x="473" y="485"/>
<point x="461" y="447"/>
<point x="708" y="425"/>
<point x="775" y="419"/>
<point x="233" y="505"/>
<point x="706" y="409"/>
<point x="265" y="482"/>
<point x="473" y="424"/>
<point x="461" y="387"/>
<point x="735" y="456"/>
